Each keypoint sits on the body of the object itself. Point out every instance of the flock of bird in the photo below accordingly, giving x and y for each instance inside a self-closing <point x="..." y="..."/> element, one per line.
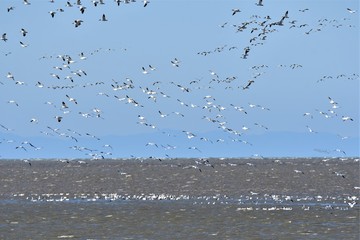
<point x="67" y="78"/>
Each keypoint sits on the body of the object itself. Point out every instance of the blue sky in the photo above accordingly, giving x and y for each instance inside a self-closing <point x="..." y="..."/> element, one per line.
<point x="295" y="68"/>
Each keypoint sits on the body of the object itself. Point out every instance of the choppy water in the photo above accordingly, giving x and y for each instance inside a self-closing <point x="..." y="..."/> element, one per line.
<point x="151" y="199"/>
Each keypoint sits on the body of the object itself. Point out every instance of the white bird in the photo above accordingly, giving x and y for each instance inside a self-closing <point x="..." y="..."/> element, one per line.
<point x="93" y="136"/>
<point x="351" y="204"/>
<point x="141" y="118"/>
<point x="340" y="151"/>
<point x="13" y="102"/>
<point x="245" y="128"/>
<point x="146" y="2"/>
<point x="23" y="44"/>
<point x="71" y="99"/>
<point x="260" y="125"/>
<point x="3" y="37"/>
<point x="55" y="75"/>
<point x="26" y="2"/>
<point x="20" y="83"/>
<point x="63" y="105"/>
<point x="108" y="145"/>
<point x="97" y="111"/>
<point x="339" y="174"/>
<point x="180" y="114"/>
<point x="351" y="11"/>
<point x="195" y="148"/>
<point x="260" y="3"/>
<point x="21" y="147"/>
<point x="175" y="62"/>
<point x="308" y="114"/>
<point x="6" y="128"/>
<point x="144" y="71"/>
<point x="70" y="78"/>
<point x="103" y="94"/>
<point x="252" y="105"/>
<point x="332" y="101"/>
<point x="58" y="118"/>
<point x="10" y="76"/>
<point x="82" y="56"/>
<point x="214" y="73"/>
<point x="345" y="118"/>
<point x="24" y="32"/>
<point x="310" y="130"/>
<point x="151" y="144"/>
<point x="39" y="85"/>
<point x="85" y="115"/>
<point x="82" y="9"/>
<point x="189" y="134"/>
<point x="82" y="72"/>
<point x="34" y="120"/>
<point x="52" y="14"/>
<point x="163" y="115"/>
<point x="77" y="22"/>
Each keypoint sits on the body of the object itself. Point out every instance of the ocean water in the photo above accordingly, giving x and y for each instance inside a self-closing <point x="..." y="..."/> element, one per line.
<point x="180" y="199"/>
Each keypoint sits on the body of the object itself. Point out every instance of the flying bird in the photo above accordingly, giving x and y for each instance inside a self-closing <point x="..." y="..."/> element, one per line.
<point x="63" y="105"/>
<point x="175" y="62"/>
<point x="246" y="52"/>
<point x="304" y="10"/>
<point x="77" y="22"/>
<point x="34" y="120"/>
<point x="163" y="115"/>
<point x="58" y="118"/>
<point x="82" y="56"/>
<point x="260" y="3"/>
<point x="13" y="102"/>
<point x="152" y="144"/>
<point x="10" y="8"/>
<point x="103" y="18"/>
<point x="286" y="14"/>
<point x="71" y="99"/>
<point x="10" y="76"/>
<point x="68" y="4"/>
<point x="55" y="75"/>
<point x="82" y="9"/>
<point x="144" y="71"/>
<point x="52" y="14"/>
<point x="308" y="114"/>
<point x="345" y="118"/>
<point x="24" y="32"/>
<point x="235" y="10"/>
<point x="146" y="2"/>
<point x="351" y="11"/>
<point x="152" y="68"/>
<point x="23" y="44"/>
<point x="310" y="130"/>
<point x="3" y="37"/>
<point x="248" y="84"/>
